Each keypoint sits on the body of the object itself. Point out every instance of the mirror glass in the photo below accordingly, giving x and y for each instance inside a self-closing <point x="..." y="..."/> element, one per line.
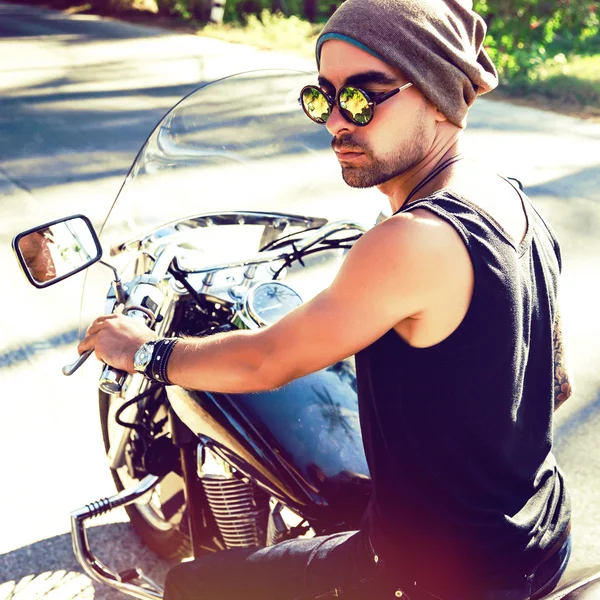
<point x="57" y="250"/>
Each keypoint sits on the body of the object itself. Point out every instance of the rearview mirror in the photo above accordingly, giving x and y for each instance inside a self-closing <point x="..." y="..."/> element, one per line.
<point x="54" y="251"/>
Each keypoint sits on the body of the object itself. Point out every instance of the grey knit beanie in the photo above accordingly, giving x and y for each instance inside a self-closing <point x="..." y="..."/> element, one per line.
<point x="437" y="44"/>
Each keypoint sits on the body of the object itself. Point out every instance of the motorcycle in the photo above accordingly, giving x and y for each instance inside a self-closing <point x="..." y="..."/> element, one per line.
<point x="198" y="471"/>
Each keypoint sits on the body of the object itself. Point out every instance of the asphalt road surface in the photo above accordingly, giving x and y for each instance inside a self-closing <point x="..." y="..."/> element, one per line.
<point x="78" y="96"/>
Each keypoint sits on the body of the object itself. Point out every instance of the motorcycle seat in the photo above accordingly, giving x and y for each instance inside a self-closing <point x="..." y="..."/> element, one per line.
<point x="588" y="591"/>
<point x="586" y="587"/>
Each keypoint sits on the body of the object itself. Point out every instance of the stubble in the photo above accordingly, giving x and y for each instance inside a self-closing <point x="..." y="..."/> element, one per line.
<point x="379" y="169"/>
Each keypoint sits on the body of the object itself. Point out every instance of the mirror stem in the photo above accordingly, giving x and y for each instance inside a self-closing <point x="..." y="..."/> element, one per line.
<point x="118" y="285"/>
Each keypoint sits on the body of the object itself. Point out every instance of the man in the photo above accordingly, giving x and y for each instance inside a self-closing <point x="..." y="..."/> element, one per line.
<point x="37" y="249"/>
<point x="450" y="306"/>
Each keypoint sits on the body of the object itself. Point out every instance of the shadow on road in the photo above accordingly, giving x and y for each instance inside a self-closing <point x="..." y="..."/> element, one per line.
<point x="57" y="136"/>
<point x="46" y="22"/>
<point x="582" y="184"/>
<point x="80" y="94"/>
<point x="49" y="143"/>
<point x="48" y="567"/>
<point x="12" y="356"/>
<point x="570" y="429"/>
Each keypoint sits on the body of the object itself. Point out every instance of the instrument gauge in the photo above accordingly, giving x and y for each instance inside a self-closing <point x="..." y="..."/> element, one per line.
<point x="267" y="302"/>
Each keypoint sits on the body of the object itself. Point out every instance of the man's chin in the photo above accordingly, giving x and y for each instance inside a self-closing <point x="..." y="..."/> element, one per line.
<point x="358" y="178"/>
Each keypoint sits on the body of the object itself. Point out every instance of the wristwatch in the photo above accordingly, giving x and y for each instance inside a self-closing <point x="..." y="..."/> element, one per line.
<point x="143" y="357"/>
<point x="152" y="358"/>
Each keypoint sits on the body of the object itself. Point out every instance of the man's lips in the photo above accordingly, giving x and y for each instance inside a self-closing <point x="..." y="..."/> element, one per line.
<point x="347" y="153"/>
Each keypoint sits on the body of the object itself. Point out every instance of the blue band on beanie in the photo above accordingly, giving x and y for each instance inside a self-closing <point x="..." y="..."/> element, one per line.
<point x="343" y="38"/>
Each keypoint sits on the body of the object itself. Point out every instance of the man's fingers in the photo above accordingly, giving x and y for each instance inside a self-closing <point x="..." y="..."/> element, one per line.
<point x="115" y="339"/>
<point x="98" y="323"/>
<point x="88" y="343"/>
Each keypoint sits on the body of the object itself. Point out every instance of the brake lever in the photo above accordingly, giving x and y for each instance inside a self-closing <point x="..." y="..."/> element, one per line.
<point x="111" y="380"/>
<point x="70" y="369"/>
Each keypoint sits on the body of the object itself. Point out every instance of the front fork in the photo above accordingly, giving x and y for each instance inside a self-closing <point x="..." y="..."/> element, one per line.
<point x="203" y="529"/>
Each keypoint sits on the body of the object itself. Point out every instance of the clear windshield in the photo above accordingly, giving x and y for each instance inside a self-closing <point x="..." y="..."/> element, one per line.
<point x="241" y="143"/>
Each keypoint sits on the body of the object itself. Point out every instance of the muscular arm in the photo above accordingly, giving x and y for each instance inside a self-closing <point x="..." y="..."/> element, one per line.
<point x="393" y="272"/>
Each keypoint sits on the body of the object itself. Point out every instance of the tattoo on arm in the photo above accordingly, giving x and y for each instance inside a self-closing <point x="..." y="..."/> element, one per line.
<point x="562" y="383"/>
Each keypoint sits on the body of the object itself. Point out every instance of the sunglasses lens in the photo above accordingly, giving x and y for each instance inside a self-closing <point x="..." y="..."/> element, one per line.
<point x="315" y="104"/>
<point x="355" y="105"/>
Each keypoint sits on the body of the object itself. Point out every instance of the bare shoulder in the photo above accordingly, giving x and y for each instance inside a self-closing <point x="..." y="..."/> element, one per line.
<point x="419" y="235"/>
<point x="417" y="251"/>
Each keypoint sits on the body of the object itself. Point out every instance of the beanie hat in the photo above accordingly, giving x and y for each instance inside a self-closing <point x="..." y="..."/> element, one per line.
<point x="437" y="44"/>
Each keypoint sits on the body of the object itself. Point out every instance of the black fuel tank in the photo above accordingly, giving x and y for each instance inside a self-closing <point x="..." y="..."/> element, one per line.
<point x="301" y="442"/>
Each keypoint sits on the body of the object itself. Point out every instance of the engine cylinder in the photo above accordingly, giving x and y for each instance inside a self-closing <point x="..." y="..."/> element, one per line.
<point x="231" y="501"/>
<point x="233" y="506"/>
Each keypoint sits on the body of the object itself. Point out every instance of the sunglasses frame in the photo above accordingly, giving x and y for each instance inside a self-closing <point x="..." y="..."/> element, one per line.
<point x="372" y="101"/>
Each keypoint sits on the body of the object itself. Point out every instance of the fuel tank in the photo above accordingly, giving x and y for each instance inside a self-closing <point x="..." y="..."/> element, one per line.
<point x="302" y="442"/>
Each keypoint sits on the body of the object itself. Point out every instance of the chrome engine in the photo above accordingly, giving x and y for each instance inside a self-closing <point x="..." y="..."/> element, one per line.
<point x="231" y="500"/>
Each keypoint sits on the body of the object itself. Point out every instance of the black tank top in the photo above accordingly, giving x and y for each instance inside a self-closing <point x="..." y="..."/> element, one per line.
<point x="458" y="436"/>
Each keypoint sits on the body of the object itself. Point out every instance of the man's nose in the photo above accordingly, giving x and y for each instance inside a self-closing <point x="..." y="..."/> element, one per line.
<point x="336" y="123"/>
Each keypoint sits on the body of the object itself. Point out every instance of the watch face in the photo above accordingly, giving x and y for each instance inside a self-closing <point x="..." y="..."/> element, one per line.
<point x="143" y="357"/>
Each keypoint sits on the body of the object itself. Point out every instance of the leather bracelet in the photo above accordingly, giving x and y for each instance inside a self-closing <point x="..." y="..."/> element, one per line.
<point x="157" y="370"/>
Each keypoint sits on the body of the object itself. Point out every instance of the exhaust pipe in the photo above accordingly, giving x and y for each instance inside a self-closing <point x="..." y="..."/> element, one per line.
<point x="132" y="582"/>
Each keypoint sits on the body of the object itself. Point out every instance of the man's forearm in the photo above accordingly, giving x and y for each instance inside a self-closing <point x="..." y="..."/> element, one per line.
<point x="235" y="362"/>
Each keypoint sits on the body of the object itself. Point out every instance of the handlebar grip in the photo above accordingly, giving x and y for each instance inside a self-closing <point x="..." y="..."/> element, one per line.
<point x="111" y="380"/>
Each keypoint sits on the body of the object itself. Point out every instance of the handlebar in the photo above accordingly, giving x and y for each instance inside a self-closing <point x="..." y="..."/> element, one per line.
<point x="275" y="255"/>
<point x="112" y="380"/>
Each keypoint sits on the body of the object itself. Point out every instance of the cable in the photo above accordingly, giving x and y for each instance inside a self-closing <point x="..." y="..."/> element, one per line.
<point x="127" y="404"/>
<point x="293" y="258"/>
<point x="276" y="243"/>
<point x="181" y="278"/>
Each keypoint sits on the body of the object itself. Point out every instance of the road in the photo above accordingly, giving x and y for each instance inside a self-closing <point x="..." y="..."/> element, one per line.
<point x="78" y="96"/>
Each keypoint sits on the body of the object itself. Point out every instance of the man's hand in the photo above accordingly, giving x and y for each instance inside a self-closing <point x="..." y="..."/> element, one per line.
<point x="115" y="339"/>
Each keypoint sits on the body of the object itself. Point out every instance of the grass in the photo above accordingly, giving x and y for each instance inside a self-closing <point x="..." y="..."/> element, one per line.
<point x="569" y="82"/>
<point x="270" y="32"/>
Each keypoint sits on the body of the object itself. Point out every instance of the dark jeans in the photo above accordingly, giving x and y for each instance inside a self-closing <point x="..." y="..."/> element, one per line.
<point x="343" y="565"/>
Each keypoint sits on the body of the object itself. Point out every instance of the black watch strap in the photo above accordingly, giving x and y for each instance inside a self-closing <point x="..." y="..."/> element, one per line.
<point x="157" y="369"/>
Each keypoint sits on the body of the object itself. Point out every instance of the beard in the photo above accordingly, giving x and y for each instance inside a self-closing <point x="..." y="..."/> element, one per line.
<point x="383" y="168"/>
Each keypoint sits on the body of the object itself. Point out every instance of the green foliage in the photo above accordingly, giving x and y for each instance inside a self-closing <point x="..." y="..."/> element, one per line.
<point x="575" y="82"/>
<point x="313" y="10"/>
<point x="174" y="7"/>
<point x="536" y="44"/>
<point x="522" y="34"/>
<point x="268" y="30"/>
<point x="198" y="10"/>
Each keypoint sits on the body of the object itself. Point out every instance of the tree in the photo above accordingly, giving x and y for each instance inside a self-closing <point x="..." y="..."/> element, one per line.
<point x="523" y="33"/>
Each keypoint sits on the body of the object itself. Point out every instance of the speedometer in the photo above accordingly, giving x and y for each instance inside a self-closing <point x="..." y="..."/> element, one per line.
<point x="267" y="302"/>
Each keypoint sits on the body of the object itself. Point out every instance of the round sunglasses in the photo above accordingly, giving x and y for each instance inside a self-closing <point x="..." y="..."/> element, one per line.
<point x="355" y="105"/>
